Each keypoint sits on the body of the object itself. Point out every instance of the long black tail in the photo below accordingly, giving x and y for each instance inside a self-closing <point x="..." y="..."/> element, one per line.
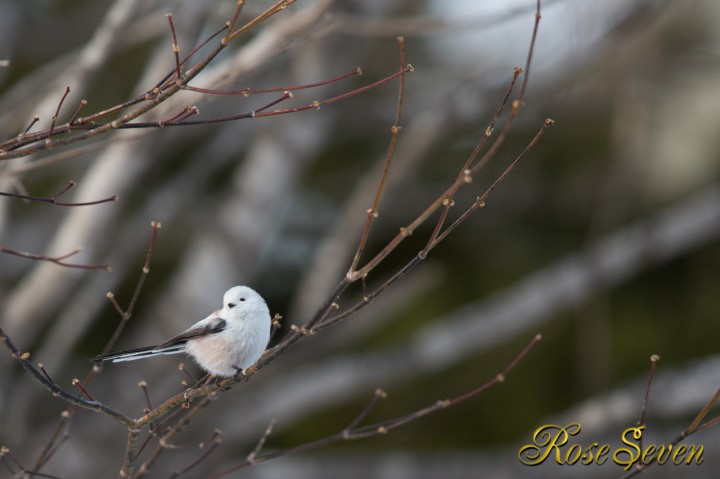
<point x="140" y="353"/>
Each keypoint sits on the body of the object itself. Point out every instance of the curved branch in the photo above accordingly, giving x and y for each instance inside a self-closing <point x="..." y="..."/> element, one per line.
<point x="53" y="200"/>
<point x="56" y="390"/>
<point x="354" y="432"/>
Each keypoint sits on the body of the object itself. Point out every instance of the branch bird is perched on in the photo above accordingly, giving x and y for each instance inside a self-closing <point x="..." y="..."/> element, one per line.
<point x="229" y="340"/>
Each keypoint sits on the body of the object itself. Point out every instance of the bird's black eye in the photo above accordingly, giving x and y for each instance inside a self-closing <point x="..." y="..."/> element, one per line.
<point x="242" y="299"/>
<point x="231" y="305"/>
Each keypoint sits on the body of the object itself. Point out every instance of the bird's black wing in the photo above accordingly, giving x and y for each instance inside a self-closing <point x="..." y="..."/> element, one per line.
<point x="212" y="327"/>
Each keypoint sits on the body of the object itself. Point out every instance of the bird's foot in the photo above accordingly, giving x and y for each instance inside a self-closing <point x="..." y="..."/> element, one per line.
<point x="239" y="372"/>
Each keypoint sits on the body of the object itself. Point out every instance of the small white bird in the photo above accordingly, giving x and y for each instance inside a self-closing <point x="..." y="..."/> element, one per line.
<point x="229" y="340"/>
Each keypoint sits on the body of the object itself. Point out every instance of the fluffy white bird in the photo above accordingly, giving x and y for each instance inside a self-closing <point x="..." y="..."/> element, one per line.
<point x="228" y="340"/>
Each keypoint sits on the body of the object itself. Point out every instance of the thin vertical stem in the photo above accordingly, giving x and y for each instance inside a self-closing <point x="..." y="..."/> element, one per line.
<point x="372" y="213"/>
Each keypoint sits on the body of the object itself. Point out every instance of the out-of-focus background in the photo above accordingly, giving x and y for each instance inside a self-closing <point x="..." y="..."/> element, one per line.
<point x="605" y="239"/>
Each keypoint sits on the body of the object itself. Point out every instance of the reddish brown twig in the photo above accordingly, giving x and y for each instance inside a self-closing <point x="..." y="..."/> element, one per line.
<point x="231" y="24"/>
<point x="127" y="313"/>
<point x="175" y="46"/>
<point x="465" y="174"/>
<point x="76" y="382"/>
<point x="317" y="104"/>
<point x="695" y="426"/>
<point x="58" y="260"/>
<point x="276" y="8"/>
<point x="252" y="91"/>
<point x="275" y="325"/>
<point x="54" y="199"/>
<point x="186" y="113"/>
<point x="261" y="442"/>
<point x="354" y="432"/>
<point x="61" y="430"/>
<point x="478" y="203"/>
<point x="32" y="123"/>
<point x="261" y="113"/>
<point x="77" y="112"/>
<point x="57" y="439"/>
<point x="372" y="212"/>
<point x="57" y="111"/>
<point x="518" y="102"/>
<point x="643" y="410"/>
<point x="285" y="96"/>
<point x="166" y="80"/>
<point x="22" y="359"/>
<point x="6" y="453"/>
<point x="32" y="143"/>
<point x="213" y="444"/>
<point x="164" y="441"/>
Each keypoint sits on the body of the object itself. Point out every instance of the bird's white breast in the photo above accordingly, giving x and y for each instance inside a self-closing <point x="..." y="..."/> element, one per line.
<point x="239" y="346"/>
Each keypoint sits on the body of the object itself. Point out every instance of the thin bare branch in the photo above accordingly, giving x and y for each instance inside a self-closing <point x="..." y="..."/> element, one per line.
<point x="517" y="103"/>
<point x="54" y="199"/>
<point x="6" y="453"/>
<point x="55" y="389"/>
<point x="58" y="437"/>
<point x="81" y="105"/>
<point x="165" y="440"/>
<point x="34" y="120"/>
<point x="127" y="313"/>
<point x="231" y="24"/>
<point x="695" y="426"/>
<point x="480" y="201"/>
<point x="372" y="213"/>
<point x="213" y="445"/>
<point x="33" y="143"/>
<point x="643" y="410"/>
<point x="377" y="396"/>
<point x="58" y="260"/>
<point x="253" y="91"/>
<point x="76" y="382"/>
<point x="57" y="112"/>
<point x="352" y="432"/>
<point x="465" y="174"/>
<point x="261" y="442"/>
<point x="276" y="8"/>
<point x="175" y="46"/>
<point x="317" y="104"/>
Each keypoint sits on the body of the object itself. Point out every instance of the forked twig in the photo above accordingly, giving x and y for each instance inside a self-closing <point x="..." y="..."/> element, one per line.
<point x="60" y="432"/>
<point x="57" y="111"/>
<point x="175" y="46"/>
<point x="261" y="442"/>
<point x="26" y="143"/>
<point x="55" y="389"/>
<point x="6" y="453"/>
<point x="695" y="426"/>
<point x="54" y="199"/>
<point x="58" y="260"/>
<point x="276" y="8"/>
<point x="127" y="313"/>
<point x="164" y="442"/>
<point x="253" y="91"/>
<point x="354" y="432"/>
<point x="372" y="212"/>
<point x="200" y="459"/>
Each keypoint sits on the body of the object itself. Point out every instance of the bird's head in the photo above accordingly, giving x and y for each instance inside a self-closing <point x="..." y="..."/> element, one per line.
<point x="241" y="298"/>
